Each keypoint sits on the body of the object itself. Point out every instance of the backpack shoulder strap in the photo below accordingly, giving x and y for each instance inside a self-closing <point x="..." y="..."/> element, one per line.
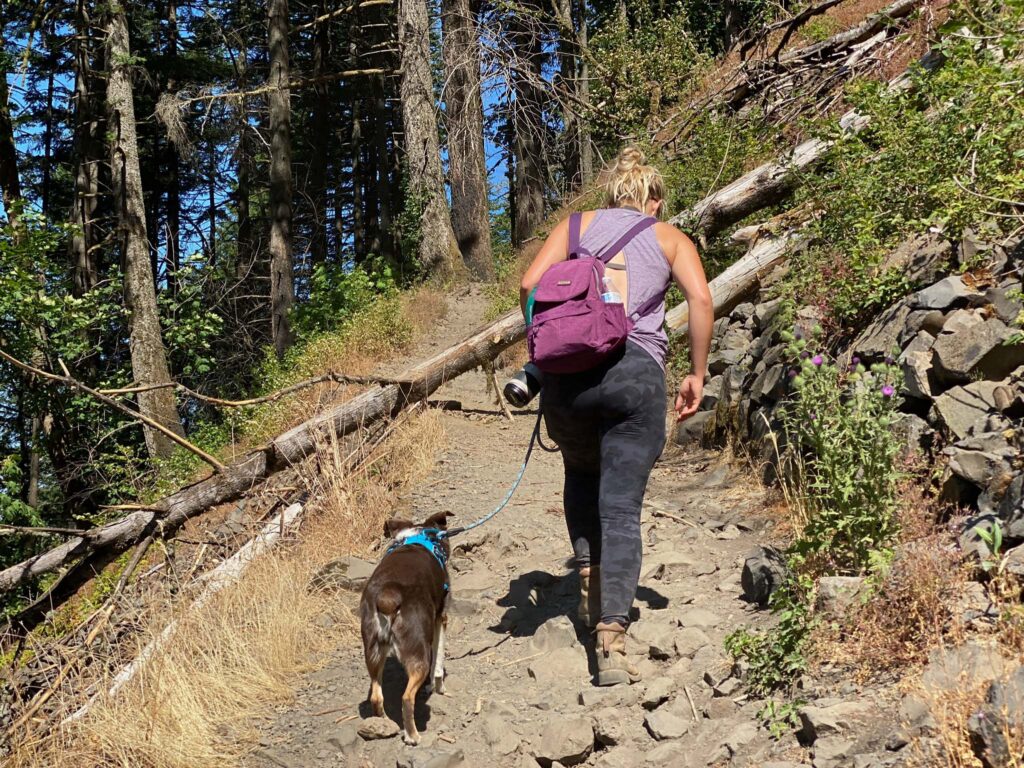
<point x="610" y="252"/>
<point x="648" y="306"/>
<point x="575" y="222"/>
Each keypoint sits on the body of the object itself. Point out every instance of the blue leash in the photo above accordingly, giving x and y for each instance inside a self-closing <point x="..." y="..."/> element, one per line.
<point x="534" y="440"/>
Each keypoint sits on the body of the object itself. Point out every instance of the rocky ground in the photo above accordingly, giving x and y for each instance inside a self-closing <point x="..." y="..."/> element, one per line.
<point x="519" y="690"/>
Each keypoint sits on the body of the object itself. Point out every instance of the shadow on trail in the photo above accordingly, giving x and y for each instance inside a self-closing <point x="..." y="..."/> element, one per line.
<point x="536" y="597"/>
<point x="394" y="686"/>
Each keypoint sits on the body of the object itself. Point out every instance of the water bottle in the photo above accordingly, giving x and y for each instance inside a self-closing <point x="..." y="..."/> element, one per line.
<point x="610" y="295"/>
<point x="524" y="386"/>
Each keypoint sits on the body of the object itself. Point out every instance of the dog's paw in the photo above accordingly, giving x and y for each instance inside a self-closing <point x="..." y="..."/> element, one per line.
<point x="438" y="686"/>
<point x="412" y="741"/>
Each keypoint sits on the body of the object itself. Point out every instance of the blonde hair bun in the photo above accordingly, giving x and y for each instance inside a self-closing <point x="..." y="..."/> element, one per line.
<point x="630" y="181"/>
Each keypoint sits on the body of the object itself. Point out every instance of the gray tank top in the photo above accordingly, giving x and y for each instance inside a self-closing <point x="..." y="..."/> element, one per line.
<point x="647" y="272"/>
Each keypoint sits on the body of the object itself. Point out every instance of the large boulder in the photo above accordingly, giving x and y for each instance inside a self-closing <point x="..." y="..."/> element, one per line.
<point x="970" y="409"/>
<point x="949" y="292"/>
<point x="882" y="338"/>
<point x="971" y="344"/>
<point x="981" y="458"/>
<point x="921" y="259"/>
<point x="764" y="571"/>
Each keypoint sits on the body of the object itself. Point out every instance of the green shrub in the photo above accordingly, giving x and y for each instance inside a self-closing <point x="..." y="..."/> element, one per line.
<point x="841" y="481"/>
<point x="840" y="464"/>
<point x="944" y="155"/>
<point x="637" y="68"/>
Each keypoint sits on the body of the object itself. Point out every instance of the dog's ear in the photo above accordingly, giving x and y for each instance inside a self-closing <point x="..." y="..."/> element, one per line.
<point x="440" y="520"/>
<point x="394" y="525"/>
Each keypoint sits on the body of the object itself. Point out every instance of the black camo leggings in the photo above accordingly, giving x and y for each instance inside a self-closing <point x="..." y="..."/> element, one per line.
<point x="610" y="426"/>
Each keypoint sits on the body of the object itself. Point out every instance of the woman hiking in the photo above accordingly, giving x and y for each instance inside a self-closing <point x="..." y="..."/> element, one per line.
<point x="609" y="421"/>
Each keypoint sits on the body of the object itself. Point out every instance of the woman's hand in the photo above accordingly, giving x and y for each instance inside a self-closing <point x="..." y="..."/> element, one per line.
<point x="691" y="391"/>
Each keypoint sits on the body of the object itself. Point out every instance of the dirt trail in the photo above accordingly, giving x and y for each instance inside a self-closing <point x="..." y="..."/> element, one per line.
<point x="519" y="689"/>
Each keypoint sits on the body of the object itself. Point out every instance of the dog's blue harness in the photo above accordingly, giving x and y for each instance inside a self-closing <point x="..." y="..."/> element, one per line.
<point x="430" y="540"/>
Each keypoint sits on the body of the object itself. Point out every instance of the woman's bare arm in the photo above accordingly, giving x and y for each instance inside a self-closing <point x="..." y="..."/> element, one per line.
<point x="688" y="272"/>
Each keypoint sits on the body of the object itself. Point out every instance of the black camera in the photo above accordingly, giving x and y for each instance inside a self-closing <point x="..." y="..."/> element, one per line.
<point x="524" y="386"/>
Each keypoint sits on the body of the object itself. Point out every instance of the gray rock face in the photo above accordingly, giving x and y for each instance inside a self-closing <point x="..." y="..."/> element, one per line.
<point x="921" y="259"/>
<point x="981" y="458"/>
<point x="882" y="337"/>
<point x="1002" y="713"/>
<point x="765" y="312"/>
<point x="728" y="349"/>
<point x="944" y="294"/>
<point x="969" y="409"/>
<point x="837" y="594"/>
<point x="664" y="725"/>
<point x="567" y="740"/>
<point x="764" y="570"/>
<point x="968" y="665"/>
<point x="916" y="434"/>
<point x="971" y="343"/>
<point x="1011" y="509"/>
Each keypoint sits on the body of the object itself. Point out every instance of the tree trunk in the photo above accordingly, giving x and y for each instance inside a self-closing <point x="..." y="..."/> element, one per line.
<point x="437" y="249"/>
<point x="173" y="201"/>
<point x="149" y="360"/>
<point x="359" y="238"/>
<point x="528" y="125"/>
<point x="380" y="177"/>
<point x="586" y="149"/>
<point x="320" y="139"/>
<point x="87" y="158"/>
<point x="464" y="113"/>
<point x="282" y="288"/>
<point x="10" y="182"/>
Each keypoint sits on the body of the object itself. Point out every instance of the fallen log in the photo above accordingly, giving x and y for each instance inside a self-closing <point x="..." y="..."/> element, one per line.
<point x="236" y="480"/>
<point x="739" y="280"/>
<point x="797" y="75"/>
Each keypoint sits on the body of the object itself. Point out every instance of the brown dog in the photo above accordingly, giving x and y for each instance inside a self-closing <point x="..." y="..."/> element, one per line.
<point x="403" y="608"/>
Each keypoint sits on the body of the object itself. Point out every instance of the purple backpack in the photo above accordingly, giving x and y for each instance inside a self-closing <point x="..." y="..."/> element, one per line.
<point x="572" y="329"/>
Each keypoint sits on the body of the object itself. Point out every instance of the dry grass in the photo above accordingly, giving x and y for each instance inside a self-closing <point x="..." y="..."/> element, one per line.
<point x="951" y="709"/>
<point x="194" y="703"/>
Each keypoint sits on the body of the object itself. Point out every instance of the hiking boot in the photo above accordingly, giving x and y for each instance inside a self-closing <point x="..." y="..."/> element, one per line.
<point x="589" y="610"/>
<point x="613" y="668"/>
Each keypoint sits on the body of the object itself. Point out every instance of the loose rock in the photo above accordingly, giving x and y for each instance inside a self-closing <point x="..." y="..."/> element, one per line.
<point x="567" y="740"/>
<point x="373" y="728"/>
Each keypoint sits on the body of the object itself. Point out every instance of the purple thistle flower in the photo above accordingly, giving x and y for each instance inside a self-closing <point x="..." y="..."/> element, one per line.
<point x="792" y="373"/>
<point x="798" y="334"/>
<point x="818" y="360"/>
<point x="855" y="362"/>
<point x="889" y="360"/>
<point x="888" y="390"/>
<point x="804" y="355"/>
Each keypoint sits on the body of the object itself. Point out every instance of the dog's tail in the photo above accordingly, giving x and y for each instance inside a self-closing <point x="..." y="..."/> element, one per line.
<point x="389" y="601"/>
